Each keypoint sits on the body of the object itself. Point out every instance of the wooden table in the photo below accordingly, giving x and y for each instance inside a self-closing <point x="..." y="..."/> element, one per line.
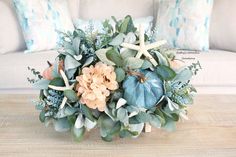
<point x="211" y="131"/>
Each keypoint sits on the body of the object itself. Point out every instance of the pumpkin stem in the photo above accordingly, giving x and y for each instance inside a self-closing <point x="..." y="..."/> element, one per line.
<point x="141" y="76"/>
<point x="49" y="64"/>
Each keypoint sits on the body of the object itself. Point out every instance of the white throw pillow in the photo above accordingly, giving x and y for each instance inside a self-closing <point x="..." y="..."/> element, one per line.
<point x="84" y="25"/>
<point x="184" y="23"/>
<point x="41" y="21"/>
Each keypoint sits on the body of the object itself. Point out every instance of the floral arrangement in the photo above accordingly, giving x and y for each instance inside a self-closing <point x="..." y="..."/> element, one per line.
<point x="120" y="80"/>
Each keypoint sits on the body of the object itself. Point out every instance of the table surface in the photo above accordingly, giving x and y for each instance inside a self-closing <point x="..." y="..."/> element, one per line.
<point x="210" y="131"/>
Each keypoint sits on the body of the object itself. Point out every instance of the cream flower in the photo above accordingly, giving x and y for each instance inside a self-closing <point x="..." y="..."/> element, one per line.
<point x="95" y="84"/>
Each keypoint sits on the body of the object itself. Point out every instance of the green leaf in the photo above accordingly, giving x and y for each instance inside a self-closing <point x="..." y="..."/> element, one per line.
<point x="116" y="129"/>
<point x="101" y="54"/>
<point x="165" y="72"/>
<point x="71" y="119"/>
<point x="161" y="59"/>
<point x="42" y="116"/>
<point x="78" y="133"/>
<point x="136" y="127"/>
<point x="133" y="63"/>
<point x="143" y="117"/>
<point x="57" y="82"/>
<point x="61" y="125"/>
<point x="126" y="133"/>
<point x="155" y="121"/>
<point x="130" y="38"/>
<point x="107" y="138"/>
<point x="87" y="112"/>
<point x="115" y="57"/>
<point x="120" y="74"/>
<point x="41" y="84"/>
<point x="183" y="76"/>
<point x="70" y="110"/>
<point x="71" y="95"/>
<point x="122" y="115"/>
<point x="170" y="125"/>
<point x="88" y="61"/>
<point x="146" y="64"/>
<point x="89" y="124"/>
<point x="127" y="25"/>
<point x="76" y="44"/>
<point x="71" y="63"/>
<point x="128" y="53"/>
<point x="117" y="40"/>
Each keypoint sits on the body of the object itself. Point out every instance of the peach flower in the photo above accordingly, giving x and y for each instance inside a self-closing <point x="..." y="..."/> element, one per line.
<point x="95" y="84"/>
<point x="47" y="73"/>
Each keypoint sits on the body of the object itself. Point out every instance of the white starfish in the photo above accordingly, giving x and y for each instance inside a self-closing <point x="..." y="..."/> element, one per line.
<point x="67" y="87"/>
<point x="142" y="48"/>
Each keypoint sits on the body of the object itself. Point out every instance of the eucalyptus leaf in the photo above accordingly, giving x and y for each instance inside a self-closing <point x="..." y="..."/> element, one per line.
<point x="146" y="64"/>
<point x="127" y="25"/>
<point x="57" y="82"/>
<point x="87" y="112"/>
<point x="41" y="84"/>
<point x="115" y="57"/>
<point x="71" y="95"/>
<point x="117" y="40"/>
<point x="101" y="54"/>
<point x="126" y="53"/>
<point x="76" y="44"/>
<point x="61" y="125"/>
<point x="89" y="124"/>
<point x="120" y="103"/>
<point x="79" y="123"/>
<point x="107" y="138"/>
<point x="70" y="110"/>
<point x="183" y="76"/>
<point x="42" y="116"/>
<point x="143" y="117"/>
<point x="88" y="61"/>
<point x="170" y="126"/>
<point x="130" y="38"/>
<point x="155" y="121"/>
<point x="78" y="133"/>
<point x="71" y="63"/>
<point x="136" y="127"/>
<point x="133" y="63"/>
<point x="165" y="72"/>
<point x="70" y="73"/>
<point x="120" y="74"/>
<point x="161" y="59"/>
<point x="122" y="115"/>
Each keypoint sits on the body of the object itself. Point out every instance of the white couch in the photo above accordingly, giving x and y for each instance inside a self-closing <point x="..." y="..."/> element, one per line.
<point x="218" y="75"/>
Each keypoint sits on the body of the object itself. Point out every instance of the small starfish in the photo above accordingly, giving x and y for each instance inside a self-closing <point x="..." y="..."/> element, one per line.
<point x="67" y="87"/>
<point x="142" y="48"/>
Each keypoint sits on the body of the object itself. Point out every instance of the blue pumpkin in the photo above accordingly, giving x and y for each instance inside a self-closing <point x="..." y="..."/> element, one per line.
<point x="143" y="89"/>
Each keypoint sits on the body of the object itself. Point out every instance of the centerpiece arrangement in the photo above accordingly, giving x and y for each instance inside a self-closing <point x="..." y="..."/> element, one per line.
<point x="120" y="80"/>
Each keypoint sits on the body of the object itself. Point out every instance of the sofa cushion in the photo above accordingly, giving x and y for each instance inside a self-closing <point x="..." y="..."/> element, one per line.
<point x="223" y="25"/>
<point x="101" y="9"/>
<point x="218" y="68"/>
<point x="14" y="70"/>
<point x="11" y="37"/>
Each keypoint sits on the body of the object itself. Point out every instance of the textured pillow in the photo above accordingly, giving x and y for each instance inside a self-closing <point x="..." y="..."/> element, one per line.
<point x="223" y="25"/>
<point x="11" y="37"/>
<point x="41" y="20"/>
<point x="97" y="24"/>
<point x="184" y="23"/>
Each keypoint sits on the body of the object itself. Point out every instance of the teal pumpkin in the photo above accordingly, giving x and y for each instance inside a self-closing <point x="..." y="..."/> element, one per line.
<point x="143" y="89"/>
